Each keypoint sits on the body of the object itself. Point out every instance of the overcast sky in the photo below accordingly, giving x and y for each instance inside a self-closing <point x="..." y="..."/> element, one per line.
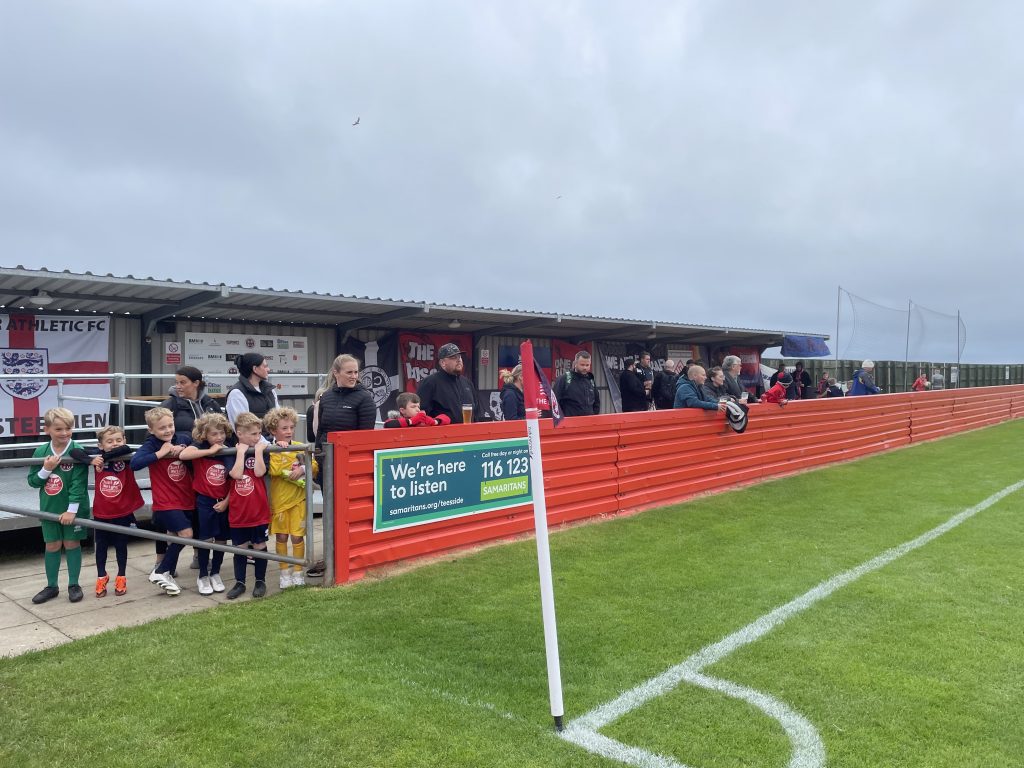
<point x="702" y="162"/>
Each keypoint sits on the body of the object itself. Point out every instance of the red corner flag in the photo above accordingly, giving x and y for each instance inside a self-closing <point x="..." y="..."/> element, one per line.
<point x="533" y="381"/>
<point x="537" y="390"/>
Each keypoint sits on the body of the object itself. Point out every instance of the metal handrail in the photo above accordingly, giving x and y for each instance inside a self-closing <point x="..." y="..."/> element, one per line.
<point x="120" y="380"/>
<point x="141" y="533"/>
<point x="303" y="447"/>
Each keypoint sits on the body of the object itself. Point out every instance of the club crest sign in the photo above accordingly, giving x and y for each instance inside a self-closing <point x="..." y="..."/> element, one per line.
<point x="29" y="362"/>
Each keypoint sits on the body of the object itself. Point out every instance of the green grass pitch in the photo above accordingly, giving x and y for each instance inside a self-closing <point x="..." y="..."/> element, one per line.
<point x="917" y="663"/>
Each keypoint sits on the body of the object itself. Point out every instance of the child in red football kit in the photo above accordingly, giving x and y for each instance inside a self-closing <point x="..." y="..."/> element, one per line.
<point x="116" y="499"/>
<point x="171" y="484"/>
<point x="210" y="482"/>
<point x="248" y="506"/>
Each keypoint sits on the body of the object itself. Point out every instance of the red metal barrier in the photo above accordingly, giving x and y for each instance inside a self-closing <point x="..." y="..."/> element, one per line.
<point x="629" y="462"/>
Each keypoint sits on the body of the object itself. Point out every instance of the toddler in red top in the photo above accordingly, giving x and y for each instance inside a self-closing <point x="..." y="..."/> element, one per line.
<point x="410" y="415"/>
<point x="777" y="394"/>
<point x="171" y="484"/>
<point x="210" y="481"/>
<point x="248" y="506"/>
<point x="116" y="499"/>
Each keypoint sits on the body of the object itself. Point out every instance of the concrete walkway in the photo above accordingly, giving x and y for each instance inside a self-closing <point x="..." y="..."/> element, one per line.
<point x="26" y="627"/>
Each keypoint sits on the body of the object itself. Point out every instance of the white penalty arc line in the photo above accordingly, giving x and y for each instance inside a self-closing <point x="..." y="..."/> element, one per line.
<point x="808" y="750"/>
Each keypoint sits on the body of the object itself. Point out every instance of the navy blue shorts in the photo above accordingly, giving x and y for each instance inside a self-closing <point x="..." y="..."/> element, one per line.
<point x="256" y="534"/>
<point x="171" y="520"/>
<point x="212" y="524"/>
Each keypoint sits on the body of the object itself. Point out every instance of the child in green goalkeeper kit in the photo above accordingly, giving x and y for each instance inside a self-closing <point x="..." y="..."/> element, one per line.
<point x="63" y="490"/>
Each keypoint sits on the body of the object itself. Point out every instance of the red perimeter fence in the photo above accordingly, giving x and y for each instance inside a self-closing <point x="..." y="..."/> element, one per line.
<point x="630" y="462"/>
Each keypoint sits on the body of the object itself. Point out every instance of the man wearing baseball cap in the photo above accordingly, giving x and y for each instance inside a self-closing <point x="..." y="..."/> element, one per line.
<point x="446" y="390"/>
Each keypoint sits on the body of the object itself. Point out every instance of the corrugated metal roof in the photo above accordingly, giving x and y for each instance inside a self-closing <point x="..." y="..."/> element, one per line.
<point x="154" y="300"/>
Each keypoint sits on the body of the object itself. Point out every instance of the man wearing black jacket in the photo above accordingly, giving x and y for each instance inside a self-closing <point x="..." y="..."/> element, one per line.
<point x="576" y="390"/>
<point x="446" y="389"/>
<point x="664" y="388"/>
<point x="631" y="387"/>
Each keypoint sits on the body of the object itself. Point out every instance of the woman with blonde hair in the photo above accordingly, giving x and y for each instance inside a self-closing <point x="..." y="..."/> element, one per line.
<point x="513" y="405"/>
<point x="344" y="404"/>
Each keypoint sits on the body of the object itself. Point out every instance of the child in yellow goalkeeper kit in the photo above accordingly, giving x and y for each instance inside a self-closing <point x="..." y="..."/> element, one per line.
<point x="287" y="493"/>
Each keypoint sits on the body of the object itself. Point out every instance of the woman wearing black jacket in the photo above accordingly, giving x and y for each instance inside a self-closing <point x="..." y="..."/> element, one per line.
<point x="188" y="399"/>
<point x="513" y="404"/>
<point x="347" y="405"/>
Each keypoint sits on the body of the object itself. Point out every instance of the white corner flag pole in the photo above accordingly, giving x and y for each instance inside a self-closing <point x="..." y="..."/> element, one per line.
<point x="540" y="522"/>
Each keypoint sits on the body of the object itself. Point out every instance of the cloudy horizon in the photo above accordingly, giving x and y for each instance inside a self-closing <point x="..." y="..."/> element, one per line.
<point x="707" y="163"/>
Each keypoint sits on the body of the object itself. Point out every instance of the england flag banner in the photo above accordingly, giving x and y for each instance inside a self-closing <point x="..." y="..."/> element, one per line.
<point x="40" y="348"/>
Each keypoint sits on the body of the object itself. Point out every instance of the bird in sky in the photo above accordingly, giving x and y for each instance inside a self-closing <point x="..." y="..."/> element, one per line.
<point x="357" y="121"/>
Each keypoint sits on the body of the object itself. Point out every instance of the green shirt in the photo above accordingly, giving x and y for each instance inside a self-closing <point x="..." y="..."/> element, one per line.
<point x="69" y="482"/>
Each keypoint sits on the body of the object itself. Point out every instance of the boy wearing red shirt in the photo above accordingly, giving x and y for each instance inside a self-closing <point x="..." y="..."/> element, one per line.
<point x="248" y="506"/>
<point x="116" y="500"/>
<point x="171" y="484"/>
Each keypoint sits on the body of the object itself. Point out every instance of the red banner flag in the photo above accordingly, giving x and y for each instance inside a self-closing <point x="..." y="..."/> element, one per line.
<point x="536" y="387"/>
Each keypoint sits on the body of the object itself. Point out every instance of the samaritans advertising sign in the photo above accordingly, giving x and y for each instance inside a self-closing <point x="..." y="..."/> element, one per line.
<point x="413" y="486"/>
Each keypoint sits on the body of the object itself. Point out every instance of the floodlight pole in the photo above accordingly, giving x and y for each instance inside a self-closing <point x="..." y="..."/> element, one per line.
<point x="540" y="522"/>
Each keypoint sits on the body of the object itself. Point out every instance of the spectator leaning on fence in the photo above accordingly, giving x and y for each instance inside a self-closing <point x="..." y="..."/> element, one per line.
<point x="731" y="368"/>
<point x="410" y="415"/>
<point x="63" y="490"/>
<point x="170" y="480"/>
<point x="287" y="493"/>
<point x="714" y="387"/>
<point x="689" y="392"/>
<point x="210" y="435"/>
<point x="188" y="401"/>
<point x="116" y="499"/>
<point x="777" y="392"/>
<point x="864" y="381"/>
<point x="248" y="506"/>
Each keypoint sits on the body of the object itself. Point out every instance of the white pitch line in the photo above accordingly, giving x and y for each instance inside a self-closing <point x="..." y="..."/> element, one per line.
<point x="808" y="750"/>
<point x="465" y="702"/>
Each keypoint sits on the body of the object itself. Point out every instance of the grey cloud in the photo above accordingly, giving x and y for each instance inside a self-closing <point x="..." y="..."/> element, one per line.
<point x="703" y="162"/>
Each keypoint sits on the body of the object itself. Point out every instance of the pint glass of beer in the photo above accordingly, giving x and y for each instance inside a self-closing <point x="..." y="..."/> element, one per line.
<point x="467" y="413"/>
